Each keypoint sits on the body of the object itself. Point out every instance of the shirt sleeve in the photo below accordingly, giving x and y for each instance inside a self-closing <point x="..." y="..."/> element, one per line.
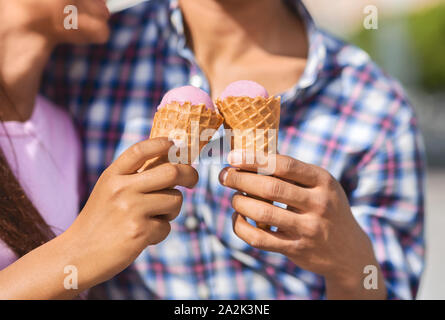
<point x="388" y="203"/>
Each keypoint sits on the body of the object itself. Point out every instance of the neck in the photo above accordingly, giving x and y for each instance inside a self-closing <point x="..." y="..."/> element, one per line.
<point x="23" y="55"/>
<point x="233" y="32"/>
<point x="231" y="26"/>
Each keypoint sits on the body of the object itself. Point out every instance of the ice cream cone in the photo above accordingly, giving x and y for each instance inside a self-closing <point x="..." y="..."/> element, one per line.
<point x="252" y="121"/>
<point x="255" y="123"/>
<point x="183" y="123"/>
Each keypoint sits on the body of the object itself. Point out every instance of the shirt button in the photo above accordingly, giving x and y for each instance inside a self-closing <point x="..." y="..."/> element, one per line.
<point x="196" y="81"/>
<point x="203" y="291"/>
<point x="191" y="223"/>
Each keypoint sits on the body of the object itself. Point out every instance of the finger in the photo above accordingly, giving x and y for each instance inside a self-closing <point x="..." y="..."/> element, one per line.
<point x="282" y="166"/>
<point x="260" y="225"/>
<point x="258" y="238"/>
<point x="265" y="213"/>
<point x="164" y="176"/>
<point x="153" y="162"/>
<point x="266" y="187"/>
<point x="158" y="230"/>
<point x="135" y="156"/>
<point x="165" y="204"/>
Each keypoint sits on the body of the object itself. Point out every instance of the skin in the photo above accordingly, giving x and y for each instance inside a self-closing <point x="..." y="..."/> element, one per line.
<point x="317" y="231"/>
<point x="262" y="41"/>
<point x="127" y="211"/>
<point x="29" y="31"/>
<point x="245" y="46"/>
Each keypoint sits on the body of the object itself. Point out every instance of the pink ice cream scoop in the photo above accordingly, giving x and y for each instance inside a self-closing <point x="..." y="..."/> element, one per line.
<point x="187" y="94"/>
<point x="244" y="88"/>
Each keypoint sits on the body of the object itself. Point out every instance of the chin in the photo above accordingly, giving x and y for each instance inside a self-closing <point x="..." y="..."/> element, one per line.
<point x="93" y="30"/>
<point x="92" y="33"/>
<point x="98" y="35"/>
<point x="92" y="22"/>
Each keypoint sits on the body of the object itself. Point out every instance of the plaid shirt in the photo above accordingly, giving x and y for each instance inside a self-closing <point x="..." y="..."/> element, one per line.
<point x="344" y="115"/>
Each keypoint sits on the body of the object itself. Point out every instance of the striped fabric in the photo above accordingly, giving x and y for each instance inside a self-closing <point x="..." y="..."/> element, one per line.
<point x="344" y="115"/>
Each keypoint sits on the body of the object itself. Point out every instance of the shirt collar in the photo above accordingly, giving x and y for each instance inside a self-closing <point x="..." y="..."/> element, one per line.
<point x="317" y="50"/>
<point x="177" y="22"/>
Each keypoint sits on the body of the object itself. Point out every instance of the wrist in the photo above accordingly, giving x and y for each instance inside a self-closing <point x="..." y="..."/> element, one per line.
<point x="79" y="262"/>
<point x="362" y="281"/>
<point x="46" y="272"/>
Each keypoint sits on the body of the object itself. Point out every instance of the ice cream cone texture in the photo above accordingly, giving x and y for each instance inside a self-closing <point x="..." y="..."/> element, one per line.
<point x="253" y="116"/>
<point x="182" y="116"/>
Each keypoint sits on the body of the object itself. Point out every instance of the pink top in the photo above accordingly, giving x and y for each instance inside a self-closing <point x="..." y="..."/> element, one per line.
<point x="45" y="156"/>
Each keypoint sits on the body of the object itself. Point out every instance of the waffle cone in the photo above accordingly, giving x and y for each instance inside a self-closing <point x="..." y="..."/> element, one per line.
<point x="255" y="123"/>
<point x="185" y="123"/>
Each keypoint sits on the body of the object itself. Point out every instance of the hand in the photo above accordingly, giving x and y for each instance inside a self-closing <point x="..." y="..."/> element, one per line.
<point x="127" y="211"/>
<point x="317" y="231"/>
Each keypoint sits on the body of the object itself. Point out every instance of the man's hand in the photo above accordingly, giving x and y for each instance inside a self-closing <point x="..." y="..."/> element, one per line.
<point x="317" y="231"/>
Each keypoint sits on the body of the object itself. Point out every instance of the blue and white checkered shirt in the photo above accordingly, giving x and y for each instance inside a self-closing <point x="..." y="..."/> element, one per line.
<point x="344" y="115"/>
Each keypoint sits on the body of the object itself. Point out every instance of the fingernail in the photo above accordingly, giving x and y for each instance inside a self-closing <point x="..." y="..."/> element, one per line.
<point x="235" y="157"/>
<point x="223" y="176"/>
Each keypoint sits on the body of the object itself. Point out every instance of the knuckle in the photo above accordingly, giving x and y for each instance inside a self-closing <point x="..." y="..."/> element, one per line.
<point x="332" y="183"/>
<point x="299" y="247"/>
<point x="266" y="213"/>
<point x="256" y="241"/>
<point x="123" y="206"/>
<point x="106" y="174"/>
<point x="326" y="178"/>
<point x="313" y="228"/>
<point x="289" y="165"/>
<point x="291" y="248"/>
<point x="136" y="151"/>
<point x="322" y="204"/>
<point x="162" y="143"/>
<point x="171" y="173"/>
<point x="116" y="189"/>
<point x="135" y="229"/>
<point x="273" y="189"/>
<point x="109" y="178"/>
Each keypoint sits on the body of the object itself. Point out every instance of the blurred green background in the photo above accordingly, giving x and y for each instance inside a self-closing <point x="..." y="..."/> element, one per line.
<point x="424" y="50"/>
<point x="409" y="44"/>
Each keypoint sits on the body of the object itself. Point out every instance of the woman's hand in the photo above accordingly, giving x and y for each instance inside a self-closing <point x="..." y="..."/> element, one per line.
<point x="126" y="212"/>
